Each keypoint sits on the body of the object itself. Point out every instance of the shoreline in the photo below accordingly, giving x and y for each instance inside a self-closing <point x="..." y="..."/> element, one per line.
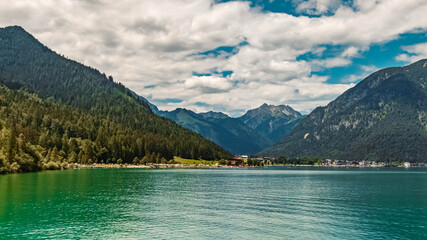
<point x="202" y="166"/>
<point x="151" y="166"/>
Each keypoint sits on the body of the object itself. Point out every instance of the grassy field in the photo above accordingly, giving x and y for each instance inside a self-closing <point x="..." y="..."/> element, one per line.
<point x="194" y="161"/>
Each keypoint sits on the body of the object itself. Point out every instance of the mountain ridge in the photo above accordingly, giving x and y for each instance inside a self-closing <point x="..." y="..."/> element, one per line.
<point x="232" y="133"/>
<point x="273" y="122"/>
<point x="29" y="66"/>
<point x="382" y="118"/>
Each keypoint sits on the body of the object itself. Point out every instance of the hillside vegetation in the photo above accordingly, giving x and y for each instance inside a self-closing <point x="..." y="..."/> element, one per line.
<point x="383" y="118"/>
<point x="229" y="133"/>
<point x="53" y="105"/>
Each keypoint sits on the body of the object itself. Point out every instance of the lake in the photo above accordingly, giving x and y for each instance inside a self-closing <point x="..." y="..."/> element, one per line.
<point x="269" y="203"/>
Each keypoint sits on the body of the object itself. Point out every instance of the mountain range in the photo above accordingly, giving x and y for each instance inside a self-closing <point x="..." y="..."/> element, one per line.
<point x="55" y="111"/>
<point x="248" y="134"/>
<point x="384" y="117"/>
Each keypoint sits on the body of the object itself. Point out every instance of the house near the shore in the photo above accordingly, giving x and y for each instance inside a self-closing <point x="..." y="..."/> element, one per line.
<point x="364" y="163"/>
<point x="235" y="161"/>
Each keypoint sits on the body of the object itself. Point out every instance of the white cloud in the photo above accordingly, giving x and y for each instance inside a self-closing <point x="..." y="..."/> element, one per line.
<point x="350" y="52"/>
<point x="365" y="5"/>
<point x="366" y="71"/>
<point x="369" y="68"/>
<point x="416" y="52"/>
<point x="208" y="84"/>
<point x="155" y="42"/>
<point x="317" y="6"/>
<point x="317" y="65"/>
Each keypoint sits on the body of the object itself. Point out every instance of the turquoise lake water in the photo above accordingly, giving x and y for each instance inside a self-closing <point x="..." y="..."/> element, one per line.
<point x="270" y="203"/>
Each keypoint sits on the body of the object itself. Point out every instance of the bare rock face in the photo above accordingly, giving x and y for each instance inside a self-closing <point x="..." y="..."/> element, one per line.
<point x="273" y="122"/>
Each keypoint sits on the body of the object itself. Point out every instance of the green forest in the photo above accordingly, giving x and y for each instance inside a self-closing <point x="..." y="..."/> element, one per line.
<point x="383" y="118"/>
<point x="56" y="111"/>
<point x="40" y="134"/>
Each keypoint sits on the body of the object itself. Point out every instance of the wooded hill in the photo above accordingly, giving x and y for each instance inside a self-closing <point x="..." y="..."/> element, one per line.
<point x="54" y="109"/>
<point x="383" y="118"/>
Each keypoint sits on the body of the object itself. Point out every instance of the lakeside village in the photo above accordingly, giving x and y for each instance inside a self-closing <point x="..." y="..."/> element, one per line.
<point x="307" y="161"/>
<point x="257" y="162"/>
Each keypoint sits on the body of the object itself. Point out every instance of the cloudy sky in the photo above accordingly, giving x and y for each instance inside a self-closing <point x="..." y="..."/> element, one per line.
<point x="229" y="56"/>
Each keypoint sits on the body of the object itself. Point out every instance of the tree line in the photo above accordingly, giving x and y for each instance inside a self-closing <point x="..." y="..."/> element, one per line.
<point x="56" y="108"/>
<point x="40" y="134"/>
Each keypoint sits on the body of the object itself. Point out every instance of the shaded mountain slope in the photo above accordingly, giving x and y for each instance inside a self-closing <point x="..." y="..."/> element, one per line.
<point x="29" y="66"/>
<point x="384" y="117"/>
<point x="273" y="122"/>
<point x="229" y="133"/>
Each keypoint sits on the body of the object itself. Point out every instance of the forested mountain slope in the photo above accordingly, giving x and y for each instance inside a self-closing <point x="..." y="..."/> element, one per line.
<point x="229" y="133"/>
<point x="248" y="134"/>
<point x="384" y="117"/>
<point x="118" y="115"/>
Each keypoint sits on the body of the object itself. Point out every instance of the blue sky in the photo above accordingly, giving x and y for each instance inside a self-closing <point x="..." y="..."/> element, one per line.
<point x="230" y="56"/>
<point x="377" y="56"/>
<point x="381" y="55"/>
